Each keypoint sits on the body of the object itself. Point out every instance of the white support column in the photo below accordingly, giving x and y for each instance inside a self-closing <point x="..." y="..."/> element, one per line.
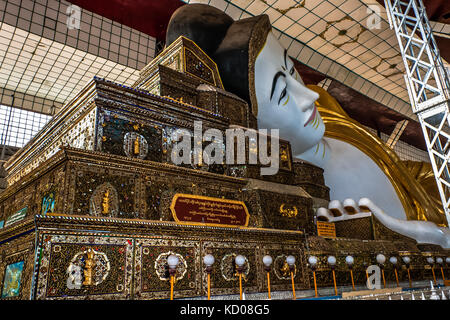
<point x="396" y="134"/>
<point x="427" y="83"/>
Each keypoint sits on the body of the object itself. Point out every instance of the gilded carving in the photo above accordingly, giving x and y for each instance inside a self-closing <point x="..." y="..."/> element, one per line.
<point x="228" y="268"/>
<point x="135" y="145"/>
<point x="162" y="268"/>
<point x="281" y="268"/>
<point x="104" y="201"/>
<point x="288" y="211"/>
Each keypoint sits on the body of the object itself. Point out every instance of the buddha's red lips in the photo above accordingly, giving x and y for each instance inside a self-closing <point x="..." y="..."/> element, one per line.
<point x="311" y="118"/>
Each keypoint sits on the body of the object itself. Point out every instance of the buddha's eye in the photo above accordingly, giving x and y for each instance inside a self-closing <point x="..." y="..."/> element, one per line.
<point x="291" y="72"/>
<point x="282" y="95"/>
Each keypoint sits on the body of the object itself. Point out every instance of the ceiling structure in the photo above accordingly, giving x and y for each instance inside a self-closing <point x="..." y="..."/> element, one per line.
<point x="386" y="118"/>
<point x="330" y="38"/>
<point x="44" y="63"/>
<point x="341" y="30"/>
<point x="116" y="38"/>
<point x="342" y="40"/>
<point x="148" y="16"/>
<point x="439" y="15"/>
<point x="48" y="69"/>
<point x="344" y="31"/>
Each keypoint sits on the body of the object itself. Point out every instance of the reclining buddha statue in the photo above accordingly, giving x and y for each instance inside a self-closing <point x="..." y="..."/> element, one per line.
<point x="357" y="165"/>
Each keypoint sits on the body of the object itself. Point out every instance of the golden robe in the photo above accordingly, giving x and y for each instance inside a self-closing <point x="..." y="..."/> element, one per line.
<point x="413" y="181"/>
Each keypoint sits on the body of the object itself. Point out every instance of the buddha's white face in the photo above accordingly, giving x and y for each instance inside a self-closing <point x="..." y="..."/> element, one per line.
<point x="284" y="102"/>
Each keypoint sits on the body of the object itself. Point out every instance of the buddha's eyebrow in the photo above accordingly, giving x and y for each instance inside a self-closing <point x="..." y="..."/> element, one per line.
<point x="274" y="83"/>
<point x="285" y="55"/>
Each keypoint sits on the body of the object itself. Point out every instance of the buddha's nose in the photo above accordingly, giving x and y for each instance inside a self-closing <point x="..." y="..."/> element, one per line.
<point x="304" y="97"/>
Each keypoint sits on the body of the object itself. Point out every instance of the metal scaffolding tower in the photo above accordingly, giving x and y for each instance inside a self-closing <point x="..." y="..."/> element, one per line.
<point x="428" y="85"/>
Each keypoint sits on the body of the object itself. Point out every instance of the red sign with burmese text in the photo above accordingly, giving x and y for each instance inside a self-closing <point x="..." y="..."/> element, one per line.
<point x="193" y="209"/>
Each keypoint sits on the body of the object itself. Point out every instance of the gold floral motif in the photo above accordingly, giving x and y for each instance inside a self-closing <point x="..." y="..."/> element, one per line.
<point x="281" y="268"/>
<point x="229" y="268"/>
<point x="288" y="212"/>
<point x="284" y="155"/>
<point x="285" y="271"/>
<point x="161" y="266"/>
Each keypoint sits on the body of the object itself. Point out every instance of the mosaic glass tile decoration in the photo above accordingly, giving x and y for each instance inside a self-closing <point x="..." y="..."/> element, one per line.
<point x="131" y="138"/>
<point x="11" y="282"/>
<point x="48" y="203"/>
